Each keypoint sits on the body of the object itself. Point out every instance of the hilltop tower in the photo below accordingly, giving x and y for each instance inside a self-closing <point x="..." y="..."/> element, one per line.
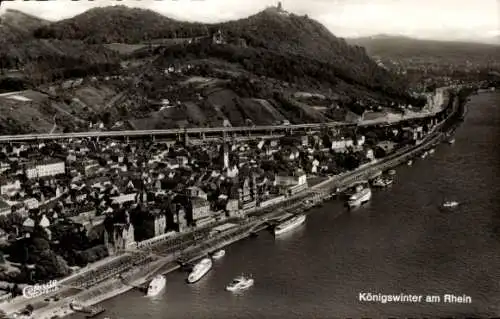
<point x="218" y="38"/>
<point x="280" y="6"/>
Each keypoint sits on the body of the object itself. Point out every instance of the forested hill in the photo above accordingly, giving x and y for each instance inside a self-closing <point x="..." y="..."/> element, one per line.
<point x="274" y="31"/>
<point x="119" y="24"/>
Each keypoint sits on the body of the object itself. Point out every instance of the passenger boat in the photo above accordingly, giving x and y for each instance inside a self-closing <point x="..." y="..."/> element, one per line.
<point x="451" y="141"/>
<point x="410" y="162"/>
<point x="200" y="270"/>
<point x="76" y="306"/>
<point x="431" y="151"/>
<point x="240" y="283"/>
<point x="156" y="285"/>
<point x="219" y="254"/>
<point x="289" y="224"/>
<point x="360" y="197"/>
<point x="450" y="204"/>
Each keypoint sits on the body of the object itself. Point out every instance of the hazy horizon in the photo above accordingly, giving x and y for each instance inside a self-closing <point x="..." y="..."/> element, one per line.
<point x="424" y="19"/>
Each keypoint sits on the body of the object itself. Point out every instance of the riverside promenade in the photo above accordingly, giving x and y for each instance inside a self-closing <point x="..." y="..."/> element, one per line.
<point x="141" y="266"/>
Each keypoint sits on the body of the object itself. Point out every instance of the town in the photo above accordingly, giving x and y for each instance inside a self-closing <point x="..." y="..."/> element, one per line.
<point x="70" y="203"/>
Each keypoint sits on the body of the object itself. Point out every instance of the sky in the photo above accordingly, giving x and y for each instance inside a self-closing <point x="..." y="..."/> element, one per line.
<point x="431" y="19"/>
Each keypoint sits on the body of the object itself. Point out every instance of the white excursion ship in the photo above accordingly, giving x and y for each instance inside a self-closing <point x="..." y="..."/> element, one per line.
<point x="450" y="204"/>
<point x="240" y="283"/>
<point x="219" y="254"/>
<point x="200" y="270"/>
<point x="156" y="285"/>
<point x="289" y="224"/>
<point x="360" y="197"/>
<point x="76" y="306"/>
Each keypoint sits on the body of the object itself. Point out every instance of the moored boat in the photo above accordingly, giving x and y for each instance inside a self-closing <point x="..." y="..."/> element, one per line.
<point x="219" y="254"/>
<point x="382" y="182"/>
<point x="76" y="306"/>
<point x="410" y="162"/>
<point x="200" y="270"/>
<point x="289" y="224"/>
<point x="359" y="197"/>
<point x="156" y="285"/>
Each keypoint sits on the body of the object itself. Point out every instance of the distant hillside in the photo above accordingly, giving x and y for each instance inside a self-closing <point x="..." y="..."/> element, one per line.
<point x="251" y="75"/>
<point x="405" y="47"/>
<point x="269" y="29"/>
<point x="44" y="59"/>
<point x="119" y="24"/>
<point x="16" y="26"/>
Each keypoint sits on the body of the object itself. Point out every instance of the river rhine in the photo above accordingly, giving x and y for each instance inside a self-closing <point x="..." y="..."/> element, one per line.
<point x="401" y="242"/>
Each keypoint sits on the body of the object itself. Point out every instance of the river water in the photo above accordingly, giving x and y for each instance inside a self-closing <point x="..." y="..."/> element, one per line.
<point x="401" y="242"/>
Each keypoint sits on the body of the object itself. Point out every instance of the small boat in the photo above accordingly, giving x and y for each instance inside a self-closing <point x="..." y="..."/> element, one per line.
<point x="410" y="162"/>
<point x="424" y="155"/>
<point x="431" y="151"/>
<point x="240" y="283"/>
<point x="391" y="172"/>
<point x="200" y="270"/>
<point x="360" y="197"/>
<point x="156" y="285"/>
<point x="382" y="182"/>
<point x="76" y="306"/>
<point x="451" y="141"/>
<point x="219" y="254"/>
<point x="289" y="224"/>
<point x="450" y="204"/>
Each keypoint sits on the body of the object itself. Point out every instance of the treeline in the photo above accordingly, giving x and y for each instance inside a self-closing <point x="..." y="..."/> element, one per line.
<point x="66" y="68"/>
<point x="293" y="68"/>
<point x="119" y="24"/>
<point x="9" y="84"/>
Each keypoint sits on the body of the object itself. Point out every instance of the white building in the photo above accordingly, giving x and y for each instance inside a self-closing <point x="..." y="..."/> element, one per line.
<point x="31" y="203"/>
<point x="342" y="144"/>
<point x="124" y="198"/>
<point x="9" y="187"/>
<point x="298" y="178"/>
<point x="51" y="168"/>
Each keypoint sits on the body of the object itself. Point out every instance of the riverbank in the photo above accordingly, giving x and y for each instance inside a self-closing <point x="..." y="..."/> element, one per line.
<point x="401" y="239"/>
<point x="111" y="288"/>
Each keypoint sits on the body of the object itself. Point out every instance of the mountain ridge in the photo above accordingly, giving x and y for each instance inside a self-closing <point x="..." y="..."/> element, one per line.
<point x="395" y="46"/>
<point x="251" y="69"/>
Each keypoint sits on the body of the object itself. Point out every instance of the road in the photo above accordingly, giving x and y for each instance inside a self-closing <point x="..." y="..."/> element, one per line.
<point x="205" y="130"/>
